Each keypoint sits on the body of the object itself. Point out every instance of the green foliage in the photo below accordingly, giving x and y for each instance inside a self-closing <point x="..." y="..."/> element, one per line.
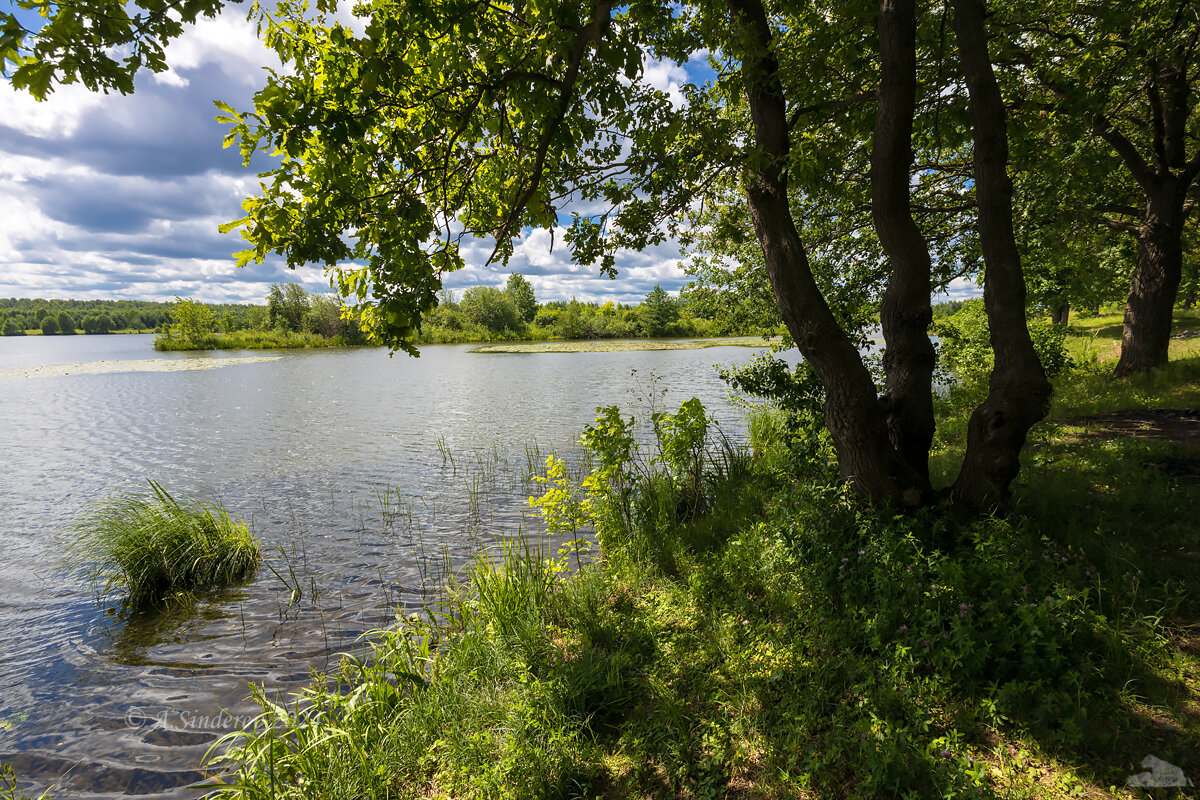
<point x="521" y="291"/>
<point x="965" y="347"/>
<point x="659" y="313"/>
<point x="192" y="320"/>
<point x="100" y="46"/>
<point x="66" y="323"/>
<point x="131" y="315"/>
<point x="49" y="325"/>
<point x="12" y="327"/>
<point x="287" y="306"/>
<point x="786" y="643"/>
<point x="153" y="547"/>
<point x="491" y="309"/>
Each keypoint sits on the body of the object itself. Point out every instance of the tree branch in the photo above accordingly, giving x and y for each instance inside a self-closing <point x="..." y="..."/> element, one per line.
<point x="829" y="105"/>
<point x="1133" y="160"/>
<point x="587" y="37"/>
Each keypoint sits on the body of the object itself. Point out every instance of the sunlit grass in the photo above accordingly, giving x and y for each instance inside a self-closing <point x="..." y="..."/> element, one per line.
<point x="616" y="345"/>
<point x="152" y="546"/>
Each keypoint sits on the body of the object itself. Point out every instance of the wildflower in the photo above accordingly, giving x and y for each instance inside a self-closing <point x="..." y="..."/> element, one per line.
<point x="845" y="561"/>
<point x="842" y="568"/>
<point x="745" y="622"/>
<point x="904" y="629"/>
<point x="862" y="552"/>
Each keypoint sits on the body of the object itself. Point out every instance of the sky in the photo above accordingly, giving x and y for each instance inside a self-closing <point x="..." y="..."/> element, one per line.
<point x="120" y="196"/>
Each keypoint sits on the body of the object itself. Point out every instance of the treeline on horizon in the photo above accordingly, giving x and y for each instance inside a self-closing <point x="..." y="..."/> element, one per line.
<point x="20" y="315"/>
<point x="292" y="316"/>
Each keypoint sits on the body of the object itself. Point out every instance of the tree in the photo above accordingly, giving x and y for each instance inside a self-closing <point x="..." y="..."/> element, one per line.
<point x="521" y="291"/>
<point x="531" y="88"/>
<point x="287" y="305"/>
<point x="660" y="311"/>
<point x="192" y="319"/>
<point x="443" y="121"/>
<point x="490" y="308"/>
<point x="1120" y="79"/>
<point x="66" y="323"/>
<point x="101" y="44"/>
<point x="49" y="325"/>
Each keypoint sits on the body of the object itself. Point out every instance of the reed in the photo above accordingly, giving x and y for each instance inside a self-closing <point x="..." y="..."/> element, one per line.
<point x="154" y="546"/>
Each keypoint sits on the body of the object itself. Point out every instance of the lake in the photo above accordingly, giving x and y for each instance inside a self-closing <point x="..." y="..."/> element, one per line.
<point x="361" y="475"/>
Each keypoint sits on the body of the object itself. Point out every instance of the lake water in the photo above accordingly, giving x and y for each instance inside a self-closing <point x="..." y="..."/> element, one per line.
<point x="362" y="474"/>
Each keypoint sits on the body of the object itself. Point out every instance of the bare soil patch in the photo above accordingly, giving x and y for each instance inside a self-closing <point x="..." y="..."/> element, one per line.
<point x="1178" y="425"/>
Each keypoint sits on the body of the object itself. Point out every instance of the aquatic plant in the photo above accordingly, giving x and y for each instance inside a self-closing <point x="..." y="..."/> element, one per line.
<point x="154" y="546"/>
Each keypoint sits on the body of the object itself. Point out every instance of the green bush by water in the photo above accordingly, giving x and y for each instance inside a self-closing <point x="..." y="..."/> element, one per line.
<point x="153" y="546"/>
<point x="785" y="642"/>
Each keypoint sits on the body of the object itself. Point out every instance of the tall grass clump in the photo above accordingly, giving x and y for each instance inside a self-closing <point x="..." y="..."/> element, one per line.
<point x="154" y="546"/>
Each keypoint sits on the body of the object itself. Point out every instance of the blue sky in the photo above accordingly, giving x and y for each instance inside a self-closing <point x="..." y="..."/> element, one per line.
<point x="111" y="196"/>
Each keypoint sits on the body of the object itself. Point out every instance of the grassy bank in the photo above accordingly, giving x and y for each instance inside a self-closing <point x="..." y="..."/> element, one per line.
<point x="274" y="339"/>
<point x="248" y="340"/>
<point x="612" y="345"/>
<point x="747" y="632"/>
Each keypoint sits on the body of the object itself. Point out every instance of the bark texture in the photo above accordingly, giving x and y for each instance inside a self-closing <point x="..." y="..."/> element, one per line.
<point x="852" y="409"/>
<point x="1165" y="180"/>
<point x="1018" y="391"/>
<point x="905" y="313"/>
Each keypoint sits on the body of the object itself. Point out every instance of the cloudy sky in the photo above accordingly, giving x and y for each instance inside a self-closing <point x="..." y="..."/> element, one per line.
<point x="111" y="196"/>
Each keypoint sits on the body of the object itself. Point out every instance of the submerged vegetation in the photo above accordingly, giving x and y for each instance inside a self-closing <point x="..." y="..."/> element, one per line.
<point x="750" y="629"/>
<point x="154" y="547"/>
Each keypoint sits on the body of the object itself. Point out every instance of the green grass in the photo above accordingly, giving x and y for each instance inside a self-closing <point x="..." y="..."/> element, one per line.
<point x="1099" y="338"/>
<point x="154" y="547"/>
<point x="610" y="345"/>
<point x="789" y="643"/>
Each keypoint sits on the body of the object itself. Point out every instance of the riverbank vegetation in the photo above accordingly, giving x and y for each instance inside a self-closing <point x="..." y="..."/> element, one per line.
<point x="152" y="548"/>
<point x="748" y="628"/>
<point x="296" y="318"/>
<point x="612" y="346"/>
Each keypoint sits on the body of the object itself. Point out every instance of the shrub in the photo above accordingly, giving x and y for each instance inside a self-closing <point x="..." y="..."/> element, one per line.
<point x="491" y="308"/>
<point x="154" y="546"/>
<point x="965" y="346"/>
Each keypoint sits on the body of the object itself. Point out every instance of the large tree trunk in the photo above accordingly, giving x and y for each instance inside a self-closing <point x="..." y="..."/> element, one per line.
<point x="852" y="410"/>
<point x="905" y="313"/>
<point x="1164" y="179"/>
<point x="1061" y="313"/>
<point x="1156" y="277"/>
<point x="1018" y="391"/>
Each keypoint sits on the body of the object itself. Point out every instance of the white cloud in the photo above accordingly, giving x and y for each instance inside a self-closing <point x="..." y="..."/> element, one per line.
<point x="56" y="117"/>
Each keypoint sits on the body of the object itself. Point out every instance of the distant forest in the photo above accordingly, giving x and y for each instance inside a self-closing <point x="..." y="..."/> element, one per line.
<point x="19" y="316"/>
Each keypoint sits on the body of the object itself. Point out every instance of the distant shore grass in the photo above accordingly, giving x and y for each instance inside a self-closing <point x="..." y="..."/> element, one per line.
<point x="153" y="546"/>
<point x="248" y="340"/>
<point x="621" y="345"/>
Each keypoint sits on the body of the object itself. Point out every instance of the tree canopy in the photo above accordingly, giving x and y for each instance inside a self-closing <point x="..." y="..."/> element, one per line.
<point x="857" y="155"/>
